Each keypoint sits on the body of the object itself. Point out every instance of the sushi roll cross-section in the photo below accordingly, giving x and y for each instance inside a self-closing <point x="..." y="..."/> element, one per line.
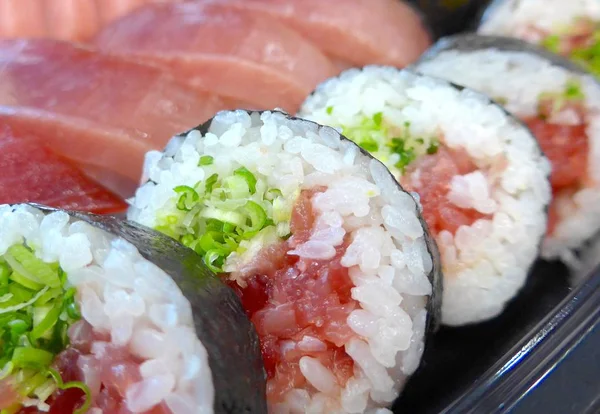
<point x="569" y="28"/>
<point x="559" y="103"/>
<point x="481" y="179"/>
<point x="101" y="316"/>
<point x="329" y="255"/>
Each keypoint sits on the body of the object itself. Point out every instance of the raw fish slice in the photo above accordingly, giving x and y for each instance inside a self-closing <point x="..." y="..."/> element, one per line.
<point x="230" y="52"/>
<point x="58" y="19"/>
<point x="110" y="10"/>
<point x="98" y="110"/>
<point x="33" y="173"/>
<point x="22" y="18"/>
<point x="357" y="32"/>
<point x="74" y="20"/>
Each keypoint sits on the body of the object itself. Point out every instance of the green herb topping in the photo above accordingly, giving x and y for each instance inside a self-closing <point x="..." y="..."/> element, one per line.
<point x="587" y="55"/>
<point x="222" y="215"/>
<point x="36" y="310"/>
<point x="395" y="146"/>
<point x="572" y="93"/>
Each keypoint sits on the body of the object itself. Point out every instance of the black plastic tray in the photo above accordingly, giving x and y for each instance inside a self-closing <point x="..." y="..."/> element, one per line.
<point x="542" y="355"/>
<point x="504" y="364"/>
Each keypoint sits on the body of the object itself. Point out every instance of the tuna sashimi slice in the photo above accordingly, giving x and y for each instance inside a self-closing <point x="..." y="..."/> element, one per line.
<point x="58" y="19"/>
<point x="353" y="32"/>
<point x="33" y="173"/>
<point x="232" y="52"/>
<point x="22" y="18"/>
<point x="101" y="111"/>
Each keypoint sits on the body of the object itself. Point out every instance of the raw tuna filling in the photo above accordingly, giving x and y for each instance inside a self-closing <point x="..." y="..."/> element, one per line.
<point x="424" y="165"/>
<point x="299" y="307"/>
<point x="580" y="43"/>
<point x="560" y="128"/>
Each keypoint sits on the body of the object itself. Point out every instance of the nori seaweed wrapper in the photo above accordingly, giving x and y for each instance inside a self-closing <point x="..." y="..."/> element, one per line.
<point x="469" y="42"/>
<point x="221" y="325"/>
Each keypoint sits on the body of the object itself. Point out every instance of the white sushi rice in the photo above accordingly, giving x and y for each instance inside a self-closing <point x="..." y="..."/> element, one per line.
<point x="519" y="79"/>
<point x="486" y="263"/>
<point x="122" y="295"/>
<point x="532" y="20"/>
<point x="387" y="259"/>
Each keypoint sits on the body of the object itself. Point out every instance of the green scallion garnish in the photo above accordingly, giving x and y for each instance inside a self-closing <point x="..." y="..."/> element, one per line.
<point x="35" y="313"/>
<point x="205" y="160"/>
<point x="221" y="214"/>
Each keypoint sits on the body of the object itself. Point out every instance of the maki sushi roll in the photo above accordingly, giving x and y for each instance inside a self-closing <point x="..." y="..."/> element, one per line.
<point x="561" y="106"/>
<point x="481" y="179"/>
<point x="102" y="316"/>
<point x="569" y="28"/>
<point x="328" y="254"/>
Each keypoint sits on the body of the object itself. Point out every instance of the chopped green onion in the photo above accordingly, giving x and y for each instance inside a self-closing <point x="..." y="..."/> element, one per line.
<point x="407" y="154"/>
<point x="205" y="160"/>
<point x="31" y="357"/>
<point x="24" y="304"/>
<point x="257" y="216"/>
<point x="210" y="258"/>
<point x="188" y="197"/>
<point x="73" y="384"/>
<point x="6" y="297"/>
<point x="222" y="215"/>
<point x="433" y="148"/>
<point x="248" y="176"/>
<point x="378" y="118"/>
<point x="32" y="383"/>
<point x="573" y="90"/>
<point x="18" y="326"/>
<point x="235" y="187"/>
<point x="7" y="369"/>
<point x="4" y="274"/>
<point x="46" y="316"/>
<point x="37" y="310"/>
<point x="273" y="193"/>
<point x="369" y="145"/>
<point x="45" y="390"/>
<point x="209" y="183"/>
<point x="20" y="293"/>
<point x="25" y="281"/>
<point x="329" y="110"/>
<point x="48" y="296"/>
<point x="223" y="212"/>
<point x="22" y="260"/>
<point x="552" y="43"/>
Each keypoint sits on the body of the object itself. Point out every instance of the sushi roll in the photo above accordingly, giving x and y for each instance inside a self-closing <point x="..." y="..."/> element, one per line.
<point x="103" y="316"/>
<point x="481" y="179"/>
<point x="329" y="255"/>
<point x="569" y="28"/>
<point x="559" y="103"/>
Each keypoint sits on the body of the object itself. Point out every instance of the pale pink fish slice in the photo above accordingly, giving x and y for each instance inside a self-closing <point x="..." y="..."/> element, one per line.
<point x="104" y="112"/>
<point x="231" y="52"/>
<point x="352" y="32"/>
<point x="74" y="20"/>
<point x="22" y="18"/>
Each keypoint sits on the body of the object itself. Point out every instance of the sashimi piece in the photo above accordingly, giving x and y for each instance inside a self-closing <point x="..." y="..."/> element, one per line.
<point x="58" y="19"/>
<point x="111" y="10"/>
<point x="352" y="32"/>
<point x="22" y="18"/>
<point x="101" y="111"/>
<point x="33" y="173"/>
<point x="74" y="20"/>
<point x="231" y="52"/>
